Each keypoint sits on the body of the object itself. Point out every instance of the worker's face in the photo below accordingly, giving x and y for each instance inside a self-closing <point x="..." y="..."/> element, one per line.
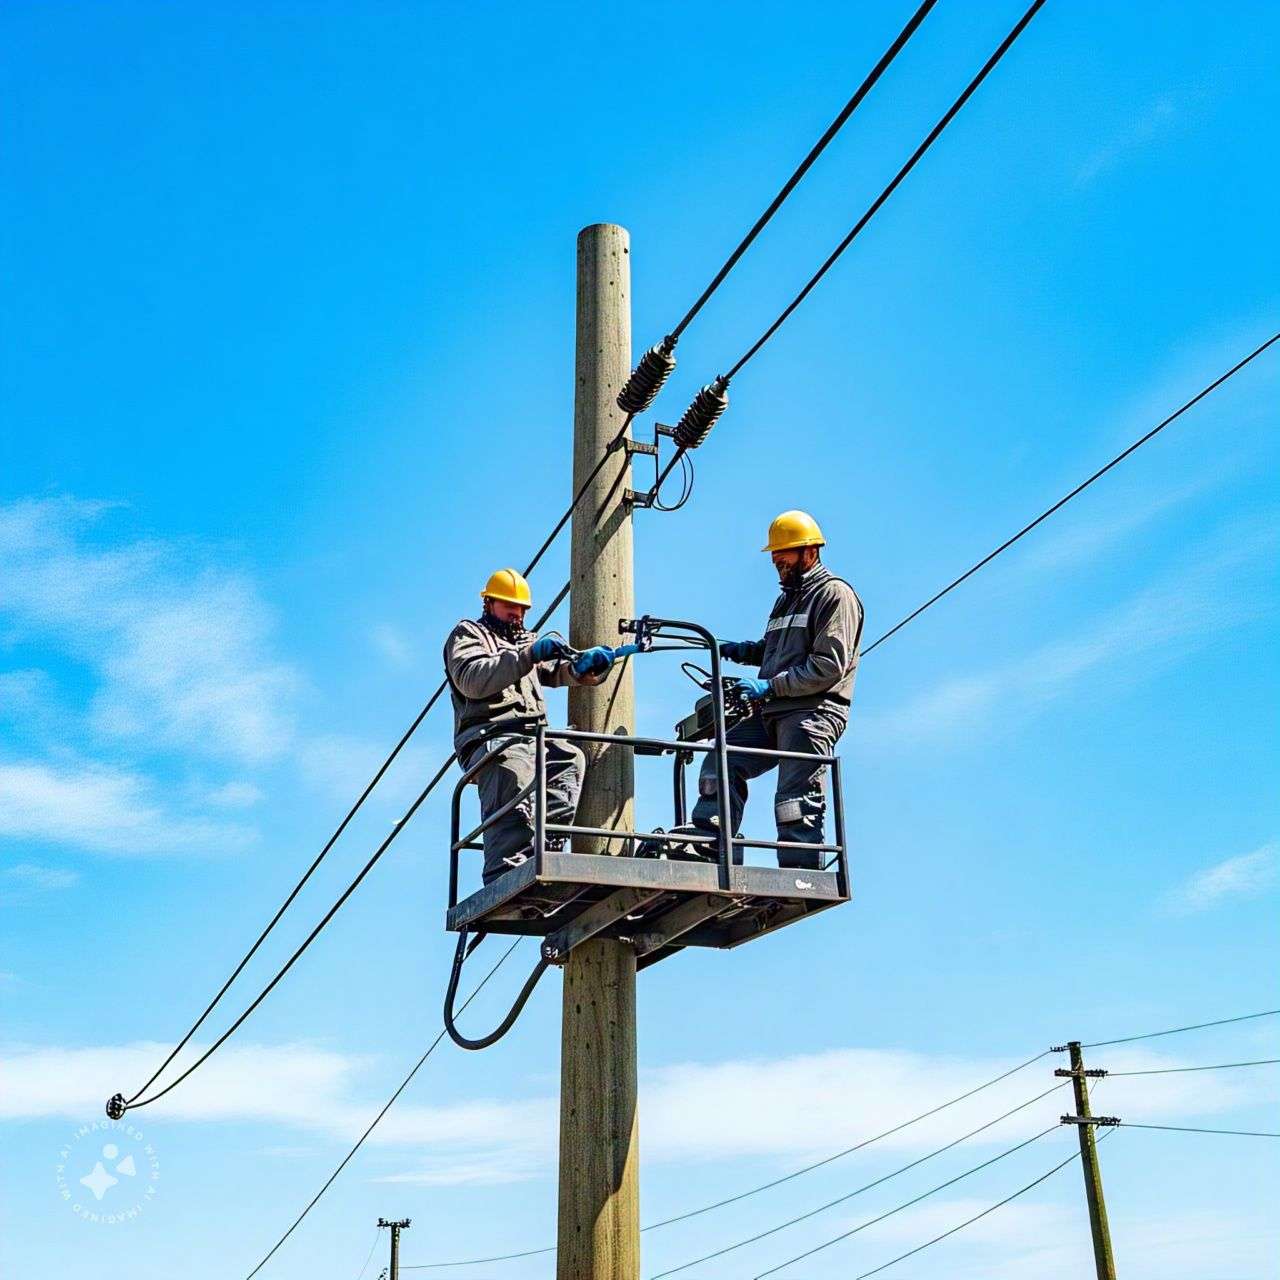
<point x="793" y="563"/>
<point x="507" y="612"/>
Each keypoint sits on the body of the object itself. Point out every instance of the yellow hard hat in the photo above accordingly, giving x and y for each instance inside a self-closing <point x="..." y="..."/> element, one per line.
<point x="794" y="529"/>
<point x="508" y="585"/>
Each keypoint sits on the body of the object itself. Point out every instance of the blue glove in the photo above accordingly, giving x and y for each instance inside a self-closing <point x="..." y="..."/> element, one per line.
<point x="594" y="661"/>
<point x="735" y="650"/>
<point x="544" y="648"/>
<point x="755" y="690"/>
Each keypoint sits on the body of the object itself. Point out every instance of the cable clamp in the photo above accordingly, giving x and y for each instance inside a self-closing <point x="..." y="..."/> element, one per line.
<point x="638" y="498"/>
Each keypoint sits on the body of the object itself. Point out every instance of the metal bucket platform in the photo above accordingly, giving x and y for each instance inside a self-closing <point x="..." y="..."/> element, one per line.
<point x="657" y="906"/>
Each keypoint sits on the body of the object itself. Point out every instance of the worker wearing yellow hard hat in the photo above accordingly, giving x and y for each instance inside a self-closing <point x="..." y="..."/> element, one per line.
<point x="496" y="672"/>
<point x="800" y="698"/>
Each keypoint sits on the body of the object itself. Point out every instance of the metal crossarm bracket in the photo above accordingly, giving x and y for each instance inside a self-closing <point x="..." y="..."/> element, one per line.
<point x="679" y="920"/>
<point x="641" y="446"/>
<point x="1094" y="1073"/>
<point x="1106" y="1121"/>
<point x="556" y="946"/>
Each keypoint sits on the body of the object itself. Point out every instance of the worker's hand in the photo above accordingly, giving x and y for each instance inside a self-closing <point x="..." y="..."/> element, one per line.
<point x="544" y="648"/>
<point x="755" y="690"/>
<point x="735" y="650"/>
<point x="594" y="661"/>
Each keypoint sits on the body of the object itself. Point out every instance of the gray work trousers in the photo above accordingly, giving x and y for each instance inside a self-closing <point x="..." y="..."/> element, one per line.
<point x="501" y="780"/>
<point x="800" y="802"/>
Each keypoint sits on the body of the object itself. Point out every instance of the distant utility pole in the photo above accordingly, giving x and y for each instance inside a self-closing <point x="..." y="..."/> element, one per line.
<point x="396" y="1228"/>
<point x="1085" y="1123"/>
<point x="599" y="1222"/>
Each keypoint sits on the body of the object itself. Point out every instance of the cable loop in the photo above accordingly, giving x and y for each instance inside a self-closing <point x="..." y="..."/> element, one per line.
<point x="455" y="975"/>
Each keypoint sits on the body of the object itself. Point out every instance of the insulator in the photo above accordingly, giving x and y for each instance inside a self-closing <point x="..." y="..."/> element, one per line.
<point x="647" y="378"/>
<point x="702" y="415"/>
<point x="116" y="1106"/>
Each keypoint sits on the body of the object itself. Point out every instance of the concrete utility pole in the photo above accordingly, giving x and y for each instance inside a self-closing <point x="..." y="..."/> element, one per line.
<point x="396" y="1227"/>
<point x="599" y="1223"/>
<point x="1103" y="1261"/>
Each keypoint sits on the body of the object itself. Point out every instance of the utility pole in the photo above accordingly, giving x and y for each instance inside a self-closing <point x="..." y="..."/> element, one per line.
<point x="599" y="1222"/>
<point x="1085" y="1124"/>
<point x="402" y="1224"/>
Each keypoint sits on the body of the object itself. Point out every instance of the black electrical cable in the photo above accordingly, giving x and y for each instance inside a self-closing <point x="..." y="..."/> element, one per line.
<point x="1217" y="1066"/>
<point x="1174" y="1128"/>
<point x="862" y="1226"/>
<point x="766" y="1186"/>
<point x="832" y="129"/>
<point x="1173" y="1031"/>
<point x="404" y="1084"/>
<point x="455" y="975"/>
<point x="831" y="1204"/>
<point x="872" y="210"/>
<point x="1062" y="502"/>
<point x="118" y="1105"/>
<point x="902" y="1257"/>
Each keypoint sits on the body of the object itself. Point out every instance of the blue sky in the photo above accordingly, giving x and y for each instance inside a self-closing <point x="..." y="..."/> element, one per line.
<point x="288" y="308"/>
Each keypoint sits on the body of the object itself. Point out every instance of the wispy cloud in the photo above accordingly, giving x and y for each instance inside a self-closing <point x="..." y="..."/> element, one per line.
<point x="392" y="645"/>
<point x="104" y="809"/>
<point x="181" y="650"/>
<point x="1248" y="875"/>
<point x="29" y="875"/>
<point x="1142" y="130"/>
<point x="1166" y="622"/>
<point x="801" y="1105"/>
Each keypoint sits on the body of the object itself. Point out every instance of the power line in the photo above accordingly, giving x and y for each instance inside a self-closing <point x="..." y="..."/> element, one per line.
<point x="404" y="1084"/>
<point x="818" y="147"/>
<point x="1217" y="1066"/>
<point x="1062" y="502"/>
<point x="929" y="140"/>
<point x="1195" y="1026"/>
<point x="765" y="1186"/>
<point x="1174" y="1128"/>
<point x="871" y="1222"/>
<point x="831" y="1204"/>
<point x="377" y="1235"/>
<point x="902" y="1257"/>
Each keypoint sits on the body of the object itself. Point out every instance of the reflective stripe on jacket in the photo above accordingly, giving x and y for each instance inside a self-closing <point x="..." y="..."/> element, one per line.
<point x="809" y="653"/>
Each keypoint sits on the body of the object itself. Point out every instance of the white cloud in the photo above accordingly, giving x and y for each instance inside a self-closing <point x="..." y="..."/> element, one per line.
<point x="44" y="879"/>
<point x="182" y="652"/>
<point x="235" y="795"/>
<point x="801" y="1107"/>
<point x="1248" y="875"/>
<point x="108" y="810"/>
<point x="1145" y="128"/>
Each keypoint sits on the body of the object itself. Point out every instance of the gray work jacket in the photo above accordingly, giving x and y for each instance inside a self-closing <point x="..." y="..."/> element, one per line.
<point x="492" y="679"/>
<point x="809" y="653"/>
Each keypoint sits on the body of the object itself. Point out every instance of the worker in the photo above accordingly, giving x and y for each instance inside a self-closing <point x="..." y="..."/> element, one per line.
<point x="800" y="698"/>
<point x="496" y="671"/>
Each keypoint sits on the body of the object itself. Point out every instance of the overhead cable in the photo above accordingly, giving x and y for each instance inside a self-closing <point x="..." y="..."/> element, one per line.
<point x="1175" y="1128"/>
<point x="766" y="1186"/>
<point x="831" y="1204"/>
<point x="902" y="1257"/>
<point x="1062" y="502"/>
<point x="1005" y="45"/>
<point x="1217" y="1066"/>
<point x="404" y="1084"/>
<point x="1195" y="1026"/>
<point x="818" y="148"/>
<point x="871" y="1222"/>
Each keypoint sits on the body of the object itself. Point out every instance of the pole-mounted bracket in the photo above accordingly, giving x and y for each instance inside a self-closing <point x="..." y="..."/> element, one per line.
<point x="1094" y="1073"/>
<point x="1105" y="1121"/>
<point x="636" y="498"/>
